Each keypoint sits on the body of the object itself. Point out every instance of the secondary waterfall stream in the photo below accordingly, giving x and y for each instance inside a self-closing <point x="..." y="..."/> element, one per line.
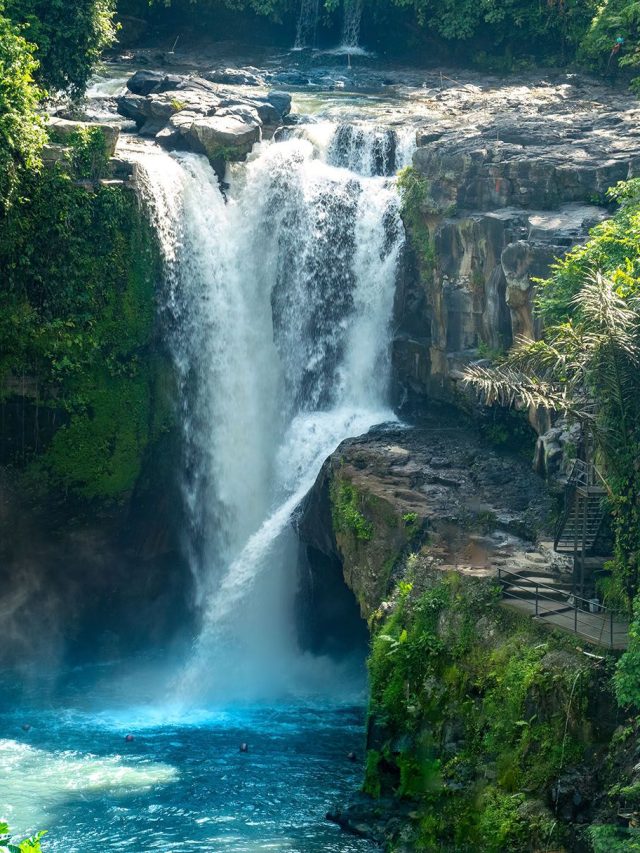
<point x="278" y="303"/>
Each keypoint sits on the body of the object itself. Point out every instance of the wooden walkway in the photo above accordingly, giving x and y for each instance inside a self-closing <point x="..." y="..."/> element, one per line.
<point x="553" y="604"/>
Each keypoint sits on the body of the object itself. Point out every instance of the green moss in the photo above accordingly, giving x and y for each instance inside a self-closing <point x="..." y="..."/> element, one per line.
<point x="77" y="314"/>
<point x="478" y="719"/>
<point x="371" y="783"/>
<point x="416" y="205"/>
<point x="345" y="507"/>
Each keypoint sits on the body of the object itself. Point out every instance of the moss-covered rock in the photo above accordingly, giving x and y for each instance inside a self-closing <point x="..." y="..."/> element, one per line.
<point x="482" y="719"/>
<point x="90" y="506"/>
<point x="78" y="319"/>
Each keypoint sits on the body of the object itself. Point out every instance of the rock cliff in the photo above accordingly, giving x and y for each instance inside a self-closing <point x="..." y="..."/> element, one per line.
<point x="487" y="730"/>
<point x="506" y="178"/>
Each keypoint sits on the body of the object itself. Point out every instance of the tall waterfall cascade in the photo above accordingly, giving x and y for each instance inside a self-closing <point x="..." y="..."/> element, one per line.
<point x="278" y="305"/>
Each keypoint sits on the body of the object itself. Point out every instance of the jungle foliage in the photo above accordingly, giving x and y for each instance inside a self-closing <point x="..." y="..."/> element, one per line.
<point x="477" y="712"/>
<point x="45" y="46"/>
<point x="500" y="34"/>
<point x="77" y="310"/>
<point x="21" y="133"/>
<point x="69" y="36"/>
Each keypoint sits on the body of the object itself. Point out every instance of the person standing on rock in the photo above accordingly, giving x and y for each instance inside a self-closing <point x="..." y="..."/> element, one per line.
<point x="614" y="58"/>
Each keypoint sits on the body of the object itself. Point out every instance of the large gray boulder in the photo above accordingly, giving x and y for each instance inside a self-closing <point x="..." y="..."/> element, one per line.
<point x="227" y="137"/>
<point x="145" y="82"/>
<point x="281" y="101"/>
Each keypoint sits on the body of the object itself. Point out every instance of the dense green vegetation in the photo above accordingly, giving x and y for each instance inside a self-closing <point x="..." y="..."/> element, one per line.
<point x="77" y="317"/>
<point x="21" y="135"/>
<point x="70" y="37"/>
<point x="477" y="712"/>
<point x="45" y="46"/>
<point x="501" y="34"/>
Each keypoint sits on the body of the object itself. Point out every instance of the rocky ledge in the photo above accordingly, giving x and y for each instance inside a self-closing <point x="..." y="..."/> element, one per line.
<point x="195" y="114"/>
<point x="380" y="497"/>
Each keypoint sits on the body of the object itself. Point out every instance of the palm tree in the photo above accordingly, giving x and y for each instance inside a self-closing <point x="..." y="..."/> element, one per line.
<point x="587" y="369"/>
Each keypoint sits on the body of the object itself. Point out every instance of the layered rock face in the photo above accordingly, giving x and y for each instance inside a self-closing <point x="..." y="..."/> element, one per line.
<point x="378" y="498"/>
<point x="514" y="176"/>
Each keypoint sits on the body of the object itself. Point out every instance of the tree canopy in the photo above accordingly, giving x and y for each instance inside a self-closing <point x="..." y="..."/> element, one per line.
<point x="494" y="33"/>
<point x="21" y="134"/>
<point x="69" y="36"/>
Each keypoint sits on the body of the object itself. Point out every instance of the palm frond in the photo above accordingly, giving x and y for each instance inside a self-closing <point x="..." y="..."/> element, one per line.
<point x="508" y="386"/>
<point x="603" y="311"/>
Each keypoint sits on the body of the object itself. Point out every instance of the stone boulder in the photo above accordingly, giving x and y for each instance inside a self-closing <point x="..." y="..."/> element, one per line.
<point x="196" y="114"/>
<point x="233" y="76"/>
<point x="61" y="129"/>
<point x="281" y="101"/>
<point x="145" y="82"/>
<point x="226" y="137"/>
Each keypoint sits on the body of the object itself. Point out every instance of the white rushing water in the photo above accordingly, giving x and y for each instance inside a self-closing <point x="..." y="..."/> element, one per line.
<point x="351" y="23"/>
<point x="278" y="301"/>
<point x="307" y="24"/>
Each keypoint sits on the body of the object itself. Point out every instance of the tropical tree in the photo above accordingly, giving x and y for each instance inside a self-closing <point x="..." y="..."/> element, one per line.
<point x="70" y="37"/>
<point x="588" y="368"/>
<point x="21" y="133"/>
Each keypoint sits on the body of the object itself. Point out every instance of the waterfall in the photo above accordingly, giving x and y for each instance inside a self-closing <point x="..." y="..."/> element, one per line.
<point x="351" y="24"/>
<point x="278" y="304"/>
<point x="307" y="24"/>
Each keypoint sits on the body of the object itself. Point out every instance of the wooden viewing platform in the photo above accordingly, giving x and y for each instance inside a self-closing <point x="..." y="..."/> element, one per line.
<point x="558" y="607"/>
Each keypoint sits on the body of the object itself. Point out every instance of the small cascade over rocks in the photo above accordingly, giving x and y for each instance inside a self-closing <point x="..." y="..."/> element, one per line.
<point x="367" y="150"/>
<point x="351" y="24"/>
<point x="278" y="303"/>
<point x="364" y="150"/>
<point x="307" y="24"/>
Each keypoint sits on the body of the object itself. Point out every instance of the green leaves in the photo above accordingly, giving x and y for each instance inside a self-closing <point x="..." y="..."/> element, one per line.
<point x="21" y="132"/>
<point x="70" y="38"/>
<point x="29" y="845"/>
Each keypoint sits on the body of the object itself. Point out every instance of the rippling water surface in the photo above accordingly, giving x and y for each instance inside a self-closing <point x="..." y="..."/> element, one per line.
<point x="182" y="784"/>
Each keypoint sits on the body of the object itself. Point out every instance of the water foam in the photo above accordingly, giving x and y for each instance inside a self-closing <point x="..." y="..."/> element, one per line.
<point x="279" y="303"/>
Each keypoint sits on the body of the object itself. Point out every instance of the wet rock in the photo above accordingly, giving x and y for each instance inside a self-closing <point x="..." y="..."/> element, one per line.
<point x="145" y="82"/>
<point x="290" y="78"/>
<point x="233" y="76"/>
<point x="134" y="107"/>
<point x="281" y="101"/>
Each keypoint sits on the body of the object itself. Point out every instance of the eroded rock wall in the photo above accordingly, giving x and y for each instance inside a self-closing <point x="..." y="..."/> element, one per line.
<point x="513" y="177"/>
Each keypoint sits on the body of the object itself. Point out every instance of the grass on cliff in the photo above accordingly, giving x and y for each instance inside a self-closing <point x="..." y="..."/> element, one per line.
<point x="476" y="714"/>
